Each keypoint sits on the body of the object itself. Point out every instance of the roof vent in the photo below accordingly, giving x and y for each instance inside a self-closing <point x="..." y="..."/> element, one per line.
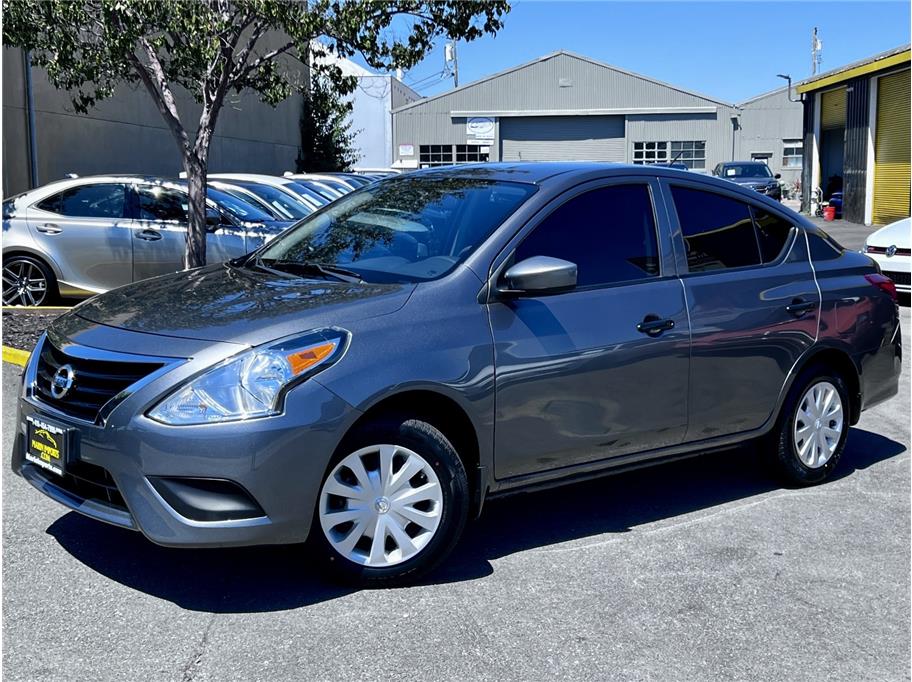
<point x="565" y="82"/>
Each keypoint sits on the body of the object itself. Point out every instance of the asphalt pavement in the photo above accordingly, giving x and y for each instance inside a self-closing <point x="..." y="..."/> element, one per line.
<point x="702" y="569"/>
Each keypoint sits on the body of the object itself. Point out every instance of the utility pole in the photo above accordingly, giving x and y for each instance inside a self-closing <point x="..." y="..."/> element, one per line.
<point x="452" y="61"/>
<point x="816" y="47"/>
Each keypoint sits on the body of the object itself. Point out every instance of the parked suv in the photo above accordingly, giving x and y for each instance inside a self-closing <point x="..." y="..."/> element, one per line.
<point x="753" y="174"/>
<point x="83" y="236"/>
<point x="371" y="376"/>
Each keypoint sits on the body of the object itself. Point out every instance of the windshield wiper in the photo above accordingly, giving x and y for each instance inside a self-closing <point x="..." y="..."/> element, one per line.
<point x="310" y="267"/>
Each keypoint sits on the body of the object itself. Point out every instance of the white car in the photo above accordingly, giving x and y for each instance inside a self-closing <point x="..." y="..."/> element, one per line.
<point x="890" y="247"/>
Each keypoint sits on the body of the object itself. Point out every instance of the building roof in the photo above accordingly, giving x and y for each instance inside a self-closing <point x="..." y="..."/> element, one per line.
<point x="896" y="56"/>
<point x="560" y="53"/>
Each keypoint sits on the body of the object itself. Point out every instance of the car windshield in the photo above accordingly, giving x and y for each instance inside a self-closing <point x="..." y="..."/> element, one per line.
<point x="282" y="201"/>
<point x="239" y="209"/>
<point x="409" y="229"/>
<point x="746" y="170"/>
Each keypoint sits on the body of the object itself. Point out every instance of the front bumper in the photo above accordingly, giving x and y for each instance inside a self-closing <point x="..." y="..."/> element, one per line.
<point x="280" y="461"/>
<point x="897" y="268"/>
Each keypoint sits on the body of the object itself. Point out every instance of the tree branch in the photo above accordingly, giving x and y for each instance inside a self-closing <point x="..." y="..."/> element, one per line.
<point x="153" y="77"/>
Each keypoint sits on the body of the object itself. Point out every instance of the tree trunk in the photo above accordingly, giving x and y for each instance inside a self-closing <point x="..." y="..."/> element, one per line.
<point x="196" y="164"/>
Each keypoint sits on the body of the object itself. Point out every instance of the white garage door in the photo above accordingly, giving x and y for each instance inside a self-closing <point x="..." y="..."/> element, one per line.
<point x="562" y="138"/>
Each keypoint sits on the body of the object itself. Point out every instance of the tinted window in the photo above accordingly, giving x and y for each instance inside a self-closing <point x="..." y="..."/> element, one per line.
<point x="718" y="231"/>
<point x="823" y="248"/>
<point x="88" y="201"/>
<point x="278" y="199"/>
<point x="609" y="233"/>
<point x="161" y="203"/>
<point x="772" y="234"/>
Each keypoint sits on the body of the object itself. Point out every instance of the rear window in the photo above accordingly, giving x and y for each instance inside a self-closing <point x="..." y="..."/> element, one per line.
<point x="718" y="231"/>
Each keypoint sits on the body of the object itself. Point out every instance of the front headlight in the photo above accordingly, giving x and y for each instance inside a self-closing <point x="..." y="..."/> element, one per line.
<point x="253" y="383"/>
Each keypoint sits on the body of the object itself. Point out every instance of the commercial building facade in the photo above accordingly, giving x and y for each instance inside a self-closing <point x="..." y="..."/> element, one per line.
<point x="569" y="107"/>
<point x="856" y="137"/>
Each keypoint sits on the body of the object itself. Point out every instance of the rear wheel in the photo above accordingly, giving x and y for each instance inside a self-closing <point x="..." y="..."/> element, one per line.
<point x="813" y="427"/>
<point x="27" y="282"/>
<point x="393" y="503"/>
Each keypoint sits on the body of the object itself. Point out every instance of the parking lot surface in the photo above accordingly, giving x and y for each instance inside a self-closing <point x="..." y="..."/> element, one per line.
<point x="702" y="569"/>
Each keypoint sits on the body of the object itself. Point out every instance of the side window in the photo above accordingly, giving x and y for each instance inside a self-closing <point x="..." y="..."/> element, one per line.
<point x="161" y="203"/>
<point x="772" y="234"/>
<point x="609" y="233"/>
<point x="88" y="201"/>
<point x="718" y="231"/>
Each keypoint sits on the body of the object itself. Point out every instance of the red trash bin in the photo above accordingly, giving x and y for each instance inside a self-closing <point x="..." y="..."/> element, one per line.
<point x="829" y="213"/>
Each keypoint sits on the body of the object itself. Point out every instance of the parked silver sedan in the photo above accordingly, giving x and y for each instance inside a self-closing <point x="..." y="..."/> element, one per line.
<point x="82" y="236"/>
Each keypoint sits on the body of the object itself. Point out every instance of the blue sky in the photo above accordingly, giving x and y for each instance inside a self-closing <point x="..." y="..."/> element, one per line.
<point x="727" y="49"/>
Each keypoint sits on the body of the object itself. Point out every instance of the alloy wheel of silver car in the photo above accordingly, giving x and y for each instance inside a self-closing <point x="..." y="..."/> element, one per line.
<point x="23" y="283"/>
<point x="818" y="424"/>
<point x="381" y="505"/>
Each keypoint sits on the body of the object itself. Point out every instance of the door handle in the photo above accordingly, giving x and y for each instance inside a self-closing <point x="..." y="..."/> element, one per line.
<point x="653" y="325"/>
<point x="49" y="228"/>
<point x="149" y="235"/>
<point x="799" y="307"/>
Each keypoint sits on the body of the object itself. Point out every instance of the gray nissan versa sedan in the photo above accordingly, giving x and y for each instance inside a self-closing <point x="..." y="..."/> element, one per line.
<point x="368" y="378"/>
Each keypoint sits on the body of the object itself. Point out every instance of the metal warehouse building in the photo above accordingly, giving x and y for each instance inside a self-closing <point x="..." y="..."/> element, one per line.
<point x="569" y="107"/>
<point x="856" y="133"/>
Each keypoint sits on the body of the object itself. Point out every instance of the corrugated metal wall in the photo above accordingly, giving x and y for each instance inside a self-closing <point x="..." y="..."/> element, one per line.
<point x="808" y="168"/>
<point x="715" y="129"/>
<point x="856" y="150"/>
<point x="562" y="138"/>
<point x="891" y="148"/>
<point x="765" y="122"/>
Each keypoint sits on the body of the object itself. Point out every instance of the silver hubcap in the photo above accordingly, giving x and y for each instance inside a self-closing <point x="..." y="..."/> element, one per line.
<point x="381" y="505"/>
<point x="23" y="283"/>
<point x="818" y="424"/>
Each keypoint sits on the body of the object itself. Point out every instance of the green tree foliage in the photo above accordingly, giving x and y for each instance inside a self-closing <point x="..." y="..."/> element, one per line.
<point x="327" y="140"/>
<point x="212" y="48"/>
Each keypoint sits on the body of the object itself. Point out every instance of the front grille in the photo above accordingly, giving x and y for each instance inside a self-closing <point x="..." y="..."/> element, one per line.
<point x="89" y="482"/>
<point x="899" y="277"/>
<point x="95" y="382"/>
<point x="883" y="249"/>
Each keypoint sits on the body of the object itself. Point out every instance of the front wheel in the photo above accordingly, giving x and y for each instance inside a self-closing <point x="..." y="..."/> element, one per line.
<point x="393" y="503"/>
<point x="812" y="429"/>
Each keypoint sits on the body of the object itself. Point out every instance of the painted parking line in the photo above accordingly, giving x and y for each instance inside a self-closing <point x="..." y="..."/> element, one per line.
<point x="15" y="356"/>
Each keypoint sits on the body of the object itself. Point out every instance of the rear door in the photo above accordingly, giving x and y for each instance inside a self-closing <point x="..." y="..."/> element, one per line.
<point x="753" y="300"/>
<point x="85" y="231"/>
<point x="576" y="380"/>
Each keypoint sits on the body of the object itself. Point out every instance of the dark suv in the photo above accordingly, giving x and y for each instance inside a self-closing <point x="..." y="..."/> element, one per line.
<point x="753" y="174"/>
<point x="372" y="375"/>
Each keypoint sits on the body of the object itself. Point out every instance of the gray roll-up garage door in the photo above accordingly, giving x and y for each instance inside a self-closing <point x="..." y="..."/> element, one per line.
<point x="562" y="138"/>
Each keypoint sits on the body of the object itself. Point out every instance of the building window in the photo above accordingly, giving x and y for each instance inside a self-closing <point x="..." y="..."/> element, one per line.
<point x="692" y="153"/>
<point x="470" y="153"/>
<point x="650" y="152"/>
<point x="435" y="155"/>
<point x="792" y="153"/>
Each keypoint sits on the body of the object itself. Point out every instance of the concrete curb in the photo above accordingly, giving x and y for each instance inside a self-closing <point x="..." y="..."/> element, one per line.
<point x="15" y="356"/>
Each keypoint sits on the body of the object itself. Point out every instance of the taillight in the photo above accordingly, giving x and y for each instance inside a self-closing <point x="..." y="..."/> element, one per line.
<point x="883" y="283"/>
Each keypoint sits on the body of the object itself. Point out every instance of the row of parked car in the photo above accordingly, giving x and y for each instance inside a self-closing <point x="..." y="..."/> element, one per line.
<point x="85" y="235"/>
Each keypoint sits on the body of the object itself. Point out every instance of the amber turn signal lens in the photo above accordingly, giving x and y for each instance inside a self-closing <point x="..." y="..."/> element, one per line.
<point x="305" y="359"/>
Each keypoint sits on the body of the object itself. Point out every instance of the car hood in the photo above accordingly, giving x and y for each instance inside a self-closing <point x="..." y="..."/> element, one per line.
<point x="753" y="182"/>
<point x="239" y="305"/>
<point x="897" y="234"/>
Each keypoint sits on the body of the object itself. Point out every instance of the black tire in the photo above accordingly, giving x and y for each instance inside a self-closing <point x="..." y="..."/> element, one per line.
<point x="11" y="262"/>
<point x="789" y="466"/>
<point x="432" y="446"/>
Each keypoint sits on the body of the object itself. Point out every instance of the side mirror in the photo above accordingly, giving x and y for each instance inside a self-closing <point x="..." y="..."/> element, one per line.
<point x="777" y="175"/>
<point x="213" y="219"/>
<point x="539" y="275"/>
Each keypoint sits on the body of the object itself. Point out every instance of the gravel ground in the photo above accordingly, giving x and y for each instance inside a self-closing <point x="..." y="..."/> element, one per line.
<point x="21" y="328"/>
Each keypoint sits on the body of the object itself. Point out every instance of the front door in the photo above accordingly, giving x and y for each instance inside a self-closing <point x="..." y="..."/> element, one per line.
<point x="159" y="231"/>
<point x="579" y="378"/>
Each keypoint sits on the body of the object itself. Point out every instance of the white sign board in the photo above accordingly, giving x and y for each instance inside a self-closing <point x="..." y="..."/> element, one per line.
<point x="406" y="150"/>
<point x="480" y="128"/>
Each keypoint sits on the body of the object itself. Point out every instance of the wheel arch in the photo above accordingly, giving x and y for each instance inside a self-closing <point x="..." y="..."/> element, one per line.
<point x="21" y="250"/>
<point x="839" y="359"/>
<point x="447" y="416"/>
